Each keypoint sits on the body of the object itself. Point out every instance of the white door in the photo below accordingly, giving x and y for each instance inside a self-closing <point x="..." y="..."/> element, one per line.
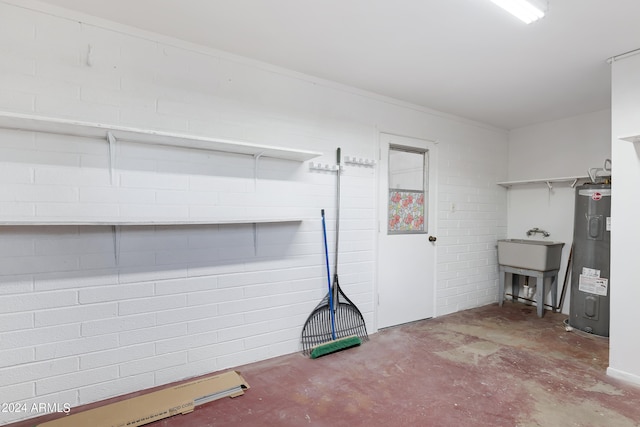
<point x="406" y="244"/>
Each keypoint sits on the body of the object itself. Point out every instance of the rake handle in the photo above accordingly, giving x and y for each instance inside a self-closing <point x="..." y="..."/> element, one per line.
<point x="339" y="156"/>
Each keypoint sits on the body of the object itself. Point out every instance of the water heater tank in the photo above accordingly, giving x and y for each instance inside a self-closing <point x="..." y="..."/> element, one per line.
<point x="590" y="287"/>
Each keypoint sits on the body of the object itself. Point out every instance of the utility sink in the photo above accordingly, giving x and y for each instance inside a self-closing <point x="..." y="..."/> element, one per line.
<point x="538" y="255"/>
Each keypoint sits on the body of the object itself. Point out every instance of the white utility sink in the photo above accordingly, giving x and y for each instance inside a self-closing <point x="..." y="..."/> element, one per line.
<point x="538" y="255"/>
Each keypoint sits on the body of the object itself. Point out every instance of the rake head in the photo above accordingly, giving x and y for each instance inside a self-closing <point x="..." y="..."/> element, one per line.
<point x="348" y="322"/>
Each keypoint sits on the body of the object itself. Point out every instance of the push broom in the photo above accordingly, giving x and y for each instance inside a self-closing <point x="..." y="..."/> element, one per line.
<point x="336" y="323"/>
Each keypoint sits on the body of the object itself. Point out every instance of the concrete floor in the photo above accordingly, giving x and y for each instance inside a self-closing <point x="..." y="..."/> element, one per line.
<point x="488" y="366"/>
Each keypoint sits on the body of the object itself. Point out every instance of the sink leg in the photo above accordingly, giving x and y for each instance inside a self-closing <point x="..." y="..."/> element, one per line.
<point x="554" y="292"/>
<point x="501" y="278"/>
<point x="540" y="294"/>
<point x="515" y="286"/>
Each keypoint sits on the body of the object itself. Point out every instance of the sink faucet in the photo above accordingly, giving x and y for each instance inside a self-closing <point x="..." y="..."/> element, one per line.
<point x="537" y="230"/>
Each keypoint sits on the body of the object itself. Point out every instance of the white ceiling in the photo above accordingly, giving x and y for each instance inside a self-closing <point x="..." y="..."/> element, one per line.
<point x="464" y="57"/>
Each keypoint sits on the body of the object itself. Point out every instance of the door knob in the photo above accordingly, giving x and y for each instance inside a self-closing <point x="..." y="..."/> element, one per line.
<point x="432" y="238"/>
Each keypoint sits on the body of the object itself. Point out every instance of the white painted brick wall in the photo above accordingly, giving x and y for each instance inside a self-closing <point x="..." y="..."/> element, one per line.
<point x="16" y="356"/>
<point x="76" y="327"/>
<point x="113" y="388"/>
<point x="74" y="347"/>
<point x="472" y="216"/>
<point x="36" y="371"/>
<point x="187" y="341"/>
<point x="152" y="334"/>
<point x="118" y="324"/>
<point x="151" y="304"/>
<point x="215" y="324"/>
<point x="75" y="314"/>
<point x="34" y="337"/>
<point x="75" y="380"/>
<point x="153" y="364"/>
<point x="191" y="284"/>
<point x="117" y="355"/>
<point x="212" y="352"/>
<point x="17" y="393"/>
<point x="30" y="302"/>
<point x="115" y="293"/>
<point x="164" y="376"/>
<point x="17" y="321"/>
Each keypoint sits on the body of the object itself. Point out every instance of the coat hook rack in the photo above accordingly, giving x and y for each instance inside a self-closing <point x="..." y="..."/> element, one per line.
<point x="359" y="161"/>
<point x="322" y="167"/>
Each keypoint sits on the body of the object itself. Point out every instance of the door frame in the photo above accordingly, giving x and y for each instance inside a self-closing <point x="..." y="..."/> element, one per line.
<point x="432" y="145"/>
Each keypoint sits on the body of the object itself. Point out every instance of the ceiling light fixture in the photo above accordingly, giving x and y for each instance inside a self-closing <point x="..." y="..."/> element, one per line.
<point x="521" y="9"/>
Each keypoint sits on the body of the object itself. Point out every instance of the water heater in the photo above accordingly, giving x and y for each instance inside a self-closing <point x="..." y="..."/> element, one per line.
<point x="590" y="287"/>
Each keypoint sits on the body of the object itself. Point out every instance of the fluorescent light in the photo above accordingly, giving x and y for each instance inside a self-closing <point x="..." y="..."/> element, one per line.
<point x="521" y="9"/>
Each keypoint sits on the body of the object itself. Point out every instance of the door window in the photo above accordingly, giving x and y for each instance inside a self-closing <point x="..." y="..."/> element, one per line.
<point x="408" y="175"/>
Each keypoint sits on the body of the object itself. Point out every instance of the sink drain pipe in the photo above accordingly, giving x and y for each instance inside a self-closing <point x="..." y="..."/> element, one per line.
<point x="566" y="279"/>
<point x="528" y="290"/>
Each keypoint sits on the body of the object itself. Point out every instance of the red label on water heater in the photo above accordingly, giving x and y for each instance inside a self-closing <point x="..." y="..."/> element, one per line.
<point x="596" y="196"/>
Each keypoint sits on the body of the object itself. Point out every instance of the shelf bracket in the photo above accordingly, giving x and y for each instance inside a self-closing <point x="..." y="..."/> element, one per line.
<point x="575" y="181"/>
<point x="255" y="239"/>
<point x="256" y="157"/>
<point x="112" y="156"/>
<point x="116" y="230"/>
<point x="549" y="185"/>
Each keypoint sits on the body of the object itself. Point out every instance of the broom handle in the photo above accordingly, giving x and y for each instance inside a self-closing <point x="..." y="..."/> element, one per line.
<point x="330" y="293"/>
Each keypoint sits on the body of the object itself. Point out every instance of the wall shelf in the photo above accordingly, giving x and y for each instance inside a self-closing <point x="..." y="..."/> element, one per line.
<point x="116" y="225"/>
<point x="38" y="221"/>
<point x="548" y="181"/>
<point x="112" y="133"/>
<point x="26" y="122"/>
<point x="632" y="138"/>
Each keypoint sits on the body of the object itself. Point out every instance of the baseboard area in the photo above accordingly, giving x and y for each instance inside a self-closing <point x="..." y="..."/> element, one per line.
<point x="624" y="376"/>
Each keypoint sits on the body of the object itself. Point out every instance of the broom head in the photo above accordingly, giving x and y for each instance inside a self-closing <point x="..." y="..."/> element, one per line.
<point x="335" y="346"/>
